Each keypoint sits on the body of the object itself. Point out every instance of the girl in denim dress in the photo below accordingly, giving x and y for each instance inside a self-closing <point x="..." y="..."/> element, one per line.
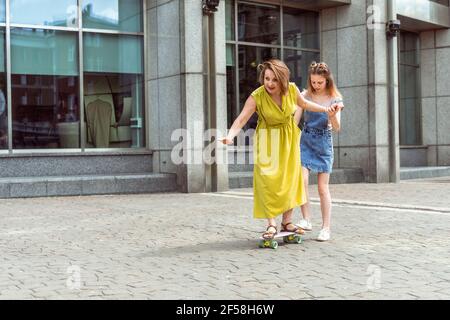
<point x="316" y="142"/>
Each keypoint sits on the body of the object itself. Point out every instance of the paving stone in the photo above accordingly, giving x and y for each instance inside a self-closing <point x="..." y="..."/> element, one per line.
<point x="195" y="246"/>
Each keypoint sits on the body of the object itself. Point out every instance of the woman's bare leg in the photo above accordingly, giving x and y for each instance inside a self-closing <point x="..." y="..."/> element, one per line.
<point x="271" y="228"/>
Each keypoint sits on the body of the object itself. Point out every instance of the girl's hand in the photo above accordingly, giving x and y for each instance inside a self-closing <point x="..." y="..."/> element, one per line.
<point x="226" y="140"/>
<point x="333" y="109"/>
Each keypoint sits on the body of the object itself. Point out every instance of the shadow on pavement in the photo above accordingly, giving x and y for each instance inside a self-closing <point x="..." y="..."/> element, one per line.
<point x="228" y="245"/>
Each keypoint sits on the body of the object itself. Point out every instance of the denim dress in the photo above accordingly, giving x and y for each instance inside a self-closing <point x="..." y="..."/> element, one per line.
<point x="316" y="143"/>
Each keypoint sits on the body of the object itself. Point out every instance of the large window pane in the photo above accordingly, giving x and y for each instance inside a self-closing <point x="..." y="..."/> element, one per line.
<point x="409" y="48"/>
<point x="229" y="20"/>
<point x="259" y="23"/>
<point x="249" y="59"/>
<point x="301" y="28"/>
<point x="3" y="101"/>
<point x="443" y="2"/>
<point x="113" y="53"/>
<point x="44" y="80"/>
<point x="123" y="15"/>
<point x="45" y="12"/>
<point x="44" y="52"/>
<point x="2" y="11"/>
<point x="113" y="92"/>
<point x="409" y="102"/>
<point x="231" y="85"/>
<point x="409" y="106"/>
<point x="298" y="62"/>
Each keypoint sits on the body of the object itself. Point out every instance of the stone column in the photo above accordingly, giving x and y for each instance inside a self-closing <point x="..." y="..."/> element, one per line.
<point x="176" y="83"/>
<point x="355" y="50"/>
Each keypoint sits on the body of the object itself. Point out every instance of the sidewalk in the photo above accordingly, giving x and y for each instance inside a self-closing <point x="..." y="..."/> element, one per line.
<point x="433" y="193"/>
<point x="204" y="246"/>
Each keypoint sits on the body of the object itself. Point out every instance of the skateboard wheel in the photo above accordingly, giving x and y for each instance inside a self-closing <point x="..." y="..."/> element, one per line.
<point x="298" y="239"/>
<point x="264" y="243"/>
<point x="274" y="244"/>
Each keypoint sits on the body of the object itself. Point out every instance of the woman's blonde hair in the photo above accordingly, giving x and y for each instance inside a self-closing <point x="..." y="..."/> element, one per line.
<point x="323" y="70"/>
<point x="281" y="71"/>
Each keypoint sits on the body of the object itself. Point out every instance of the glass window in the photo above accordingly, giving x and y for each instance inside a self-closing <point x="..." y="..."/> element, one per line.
<point x="3" y="104"/>
<point x="259" y="23"/>
<point x="443" y="2"/>
<point x="44" y="82"/>
<point x="298" y="62"/>
<point x="113" y="53"/>
<point x="113" y="92"/>
<point x="249" y="59"/>
<point x="409" y="102"/>
<point x="231" y="87"/>
<point x="2" y="11"/>
<point x="301" y="28"/>
<point x="123" y="15"/>
<point x="61" y="13"/>
<point x="229" y="20"/>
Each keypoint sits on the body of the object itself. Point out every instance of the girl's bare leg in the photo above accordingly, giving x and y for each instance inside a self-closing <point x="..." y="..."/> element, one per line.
<point x="325" y="198"/>
<point x="306" y="211"/>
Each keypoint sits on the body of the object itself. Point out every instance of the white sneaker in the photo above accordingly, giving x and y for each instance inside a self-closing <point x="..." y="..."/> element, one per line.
<point x="305" y="225"/>
<point x="324" y="235"/>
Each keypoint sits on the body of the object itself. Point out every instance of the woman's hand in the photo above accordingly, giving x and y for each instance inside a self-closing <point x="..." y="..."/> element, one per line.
<point x="226" y="140"/>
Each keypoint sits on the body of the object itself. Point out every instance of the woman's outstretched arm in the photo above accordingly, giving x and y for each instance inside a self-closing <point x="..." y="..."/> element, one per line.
<point x="241" y="120"/>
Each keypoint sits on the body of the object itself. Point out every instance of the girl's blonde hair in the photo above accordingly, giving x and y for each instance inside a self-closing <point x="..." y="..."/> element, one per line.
<point x="323" y="70"/>
<point x="281" y="71"/>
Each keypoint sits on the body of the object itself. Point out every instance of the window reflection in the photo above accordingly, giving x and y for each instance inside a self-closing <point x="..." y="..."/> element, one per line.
<point x="298" y="62"/>
<point x="113" y="110"/>
<point x="123" y="15"/>
<point x="249" y="59"/>
<point x="113" y="92"/>
<point x="229" y="20"/>
<point x="3" y="101"/>
<point x="301" y="28"/>
<point x="2" y="11"/>
<point x="443" y="2"/>
<point x="45" y="111"/>
<point x="45" y="103"/>
<point x="409" y="102"/>
<point x="3" y="113"/>
<point x="231" y="88"/>
<point x="260" y="24"/>
<point x="44" y="83"/>
<point x="62" y="13"/>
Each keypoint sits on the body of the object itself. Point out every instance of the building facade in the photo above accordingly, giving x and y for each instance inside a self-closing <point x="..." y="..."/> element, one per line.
<point x="127" y="95"/>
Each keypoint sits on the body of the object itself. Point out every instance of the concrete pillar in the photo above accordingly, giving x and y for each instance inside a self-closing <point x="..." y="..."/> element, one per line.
<point x="177" y="89"/>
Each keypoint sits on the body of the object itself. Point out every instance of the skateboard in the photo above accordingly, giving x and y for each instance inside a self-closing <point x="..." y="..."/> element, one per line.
<point x="288" y="237"/>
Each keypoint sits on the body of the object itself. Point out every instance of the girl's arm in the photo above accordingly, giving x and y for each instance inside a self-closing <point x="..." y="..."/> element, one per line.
<point x="241" y="120"/>
<point x="309" y="105"/>
<point x="336" y="121"/>
<point x="335" y="116"/>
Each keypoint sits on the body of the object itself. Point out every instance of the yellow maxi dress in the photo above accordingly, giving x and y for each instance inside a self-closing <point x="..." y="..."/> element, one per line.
<point x="277" y="175"/>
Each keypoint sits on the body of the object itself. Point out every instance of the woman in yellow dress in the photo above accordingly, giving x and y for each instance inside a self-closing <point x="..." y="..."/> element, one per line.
<point x="277" y="175"/>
